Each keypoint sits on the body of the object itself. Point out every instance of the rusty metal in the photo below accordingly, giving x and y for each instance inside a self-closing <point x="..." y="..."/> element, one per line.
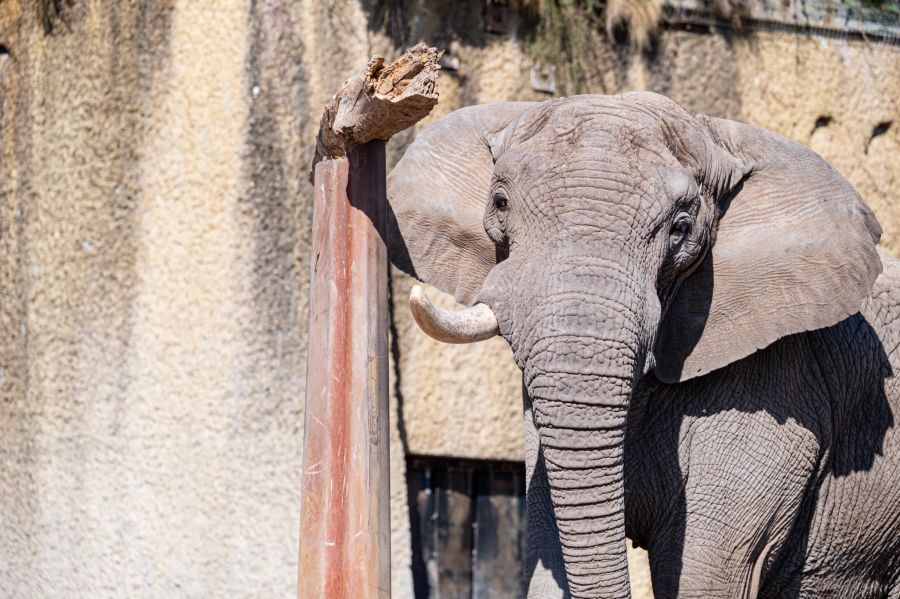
<point x="345" y="513"/>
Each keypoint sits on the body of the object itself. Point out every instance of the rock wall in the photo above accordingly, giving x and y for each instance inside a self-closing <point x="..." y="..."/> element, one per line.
<point x="154" y="223"/>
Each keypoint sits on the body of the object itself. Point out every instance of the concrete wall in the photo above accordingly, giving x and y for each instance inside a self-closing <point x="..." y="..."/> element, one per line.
<point x="154" y="224"/>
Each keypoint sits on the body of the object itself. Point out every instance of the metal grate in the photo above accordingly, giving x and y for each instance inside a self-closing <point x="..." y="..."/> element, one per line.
<point x="817" y="18"/>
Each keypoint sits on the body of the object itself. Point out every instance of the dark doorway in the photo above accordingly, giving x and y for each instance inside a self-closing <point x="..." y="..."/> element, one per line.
<point x="467" y="525"/>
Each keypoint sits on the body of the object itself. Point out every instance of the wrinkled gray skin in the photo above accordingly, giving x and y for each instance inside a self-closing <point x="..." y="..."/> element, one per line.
<point x="637" y="259"/>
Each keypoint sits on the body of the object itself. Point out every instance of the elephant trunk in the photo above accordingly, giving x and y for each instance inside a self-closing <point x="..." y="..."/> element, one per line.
<point x="582" y="443"/>
<point x="579" y="348"/>
<point x="579" y="374"/>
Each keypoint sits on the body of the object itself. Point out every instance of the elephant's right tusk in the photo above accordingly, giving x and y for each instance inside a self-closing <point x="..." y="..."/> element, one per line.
<point x="465" y="326"/>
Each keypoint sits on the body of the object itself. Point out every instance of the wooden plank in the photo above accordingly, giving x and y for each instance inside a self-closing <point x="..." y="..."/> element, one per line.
<point x="499" y="536"/>
<point x="455" y="519"/>
<point x="422" y="528"/>
<point x="345" y="512"/>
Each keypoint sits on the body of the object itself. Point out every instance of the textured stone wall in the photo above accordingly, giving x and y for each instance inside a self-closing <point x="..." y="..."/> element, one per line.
<point x="154" y="224"/>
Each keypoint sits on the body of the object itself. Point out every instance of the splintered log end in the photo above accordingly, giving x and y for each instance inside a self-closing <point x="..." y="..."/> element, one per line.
<point x="384" y="100"/>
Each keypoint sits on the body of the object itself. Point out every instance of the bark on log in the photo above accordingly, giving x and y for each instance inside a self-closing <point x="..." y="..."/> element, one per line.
<point x="379" y="103"/>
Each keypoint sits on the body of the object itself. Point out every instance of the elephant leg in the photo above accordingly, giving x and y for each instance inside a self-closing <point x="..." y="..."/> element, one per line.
<point x="740" y="506"/>
<point x="544" y="568"/>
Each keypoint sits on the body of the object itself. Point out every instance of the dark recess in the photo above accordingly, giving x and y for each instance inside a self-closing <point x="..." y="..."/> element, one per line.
<point x="822" y="121"/>
<point x="879" y="129"/>
<point x="467" y="520"/>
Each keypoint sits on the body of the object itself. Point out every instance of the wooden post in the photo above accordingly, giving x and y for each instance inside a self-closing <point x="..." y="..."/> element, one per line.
<point x="345" y="509"/>
<point x="345" y="530"/>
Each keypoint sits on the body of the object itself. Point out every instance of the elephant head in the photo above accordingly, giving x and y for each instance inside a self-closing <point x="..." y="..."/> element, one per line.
<point x="610" y="237"/>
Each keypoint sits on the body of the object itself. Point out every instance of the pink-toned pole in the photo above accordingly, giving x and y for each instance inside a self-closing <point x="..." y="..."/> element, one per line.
<point x="345" y="497"/>
<point x="345" y="527"/>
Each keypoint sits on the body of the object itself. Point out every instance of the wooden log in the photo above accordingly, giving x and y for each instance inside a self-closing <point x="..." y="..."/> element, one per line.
<point x="379" y="103"/>
<point x="345" y="497"/>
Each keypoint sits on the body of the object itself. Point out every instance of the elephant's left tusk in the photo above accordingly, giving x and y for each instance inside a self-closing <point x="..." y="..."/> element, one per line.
<point x="464" y="326"/>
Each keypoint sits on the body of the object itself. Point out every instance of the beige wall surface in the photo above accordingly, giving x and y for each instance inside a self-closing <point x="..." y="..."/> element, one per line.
<point x="154" y="241"/>
<point x="155" y="221"/>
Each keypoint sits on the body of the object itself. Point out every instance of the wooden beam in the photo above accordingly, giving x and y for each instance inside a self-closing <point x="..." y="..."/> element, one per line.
<point x="345" y="528"/>
<point x="345" y="501"/>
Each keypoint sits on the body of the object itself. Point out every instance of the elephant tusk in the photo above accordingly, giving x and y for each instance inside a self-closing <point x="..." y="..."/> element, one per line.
<point x="464" y="326"/>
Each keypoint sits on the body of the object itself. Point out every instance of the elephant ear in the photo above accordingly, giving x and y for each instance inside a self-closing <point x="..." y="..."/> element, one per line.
<point x="438" y="193"/>
<point x="794" y="251"/>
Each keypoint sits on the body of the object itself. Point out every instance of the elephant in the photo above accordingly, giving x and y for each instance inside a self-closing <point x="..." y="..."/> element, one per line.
<point x="707" y="334"/>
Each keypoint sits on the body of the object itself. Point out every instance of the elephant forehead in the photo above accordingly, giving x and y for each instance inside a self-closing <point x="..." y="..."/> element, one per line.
<point x="612" y="175"/>
<point x="599" y="146"/>
<point x="600" y="120"/>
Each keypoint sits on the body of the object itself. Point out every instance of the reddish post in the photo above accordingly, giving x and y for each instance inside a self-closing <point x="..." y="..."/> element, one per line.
<point x="345" y="509"/>
<point x="345" y="529"/>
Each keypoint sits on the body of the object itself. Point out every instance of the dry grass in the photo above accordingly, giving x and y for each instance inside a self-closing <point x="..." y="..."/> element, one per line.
<point x="561" y="27"/>
<point x="564" y="26"/>
<point x="565" y="32"/>
<point x="640" y="18"/>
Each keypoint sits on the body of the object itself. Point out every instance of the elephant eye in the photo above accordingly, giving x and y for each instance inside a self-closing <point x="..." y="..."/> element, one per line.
<point x="500" y="202"/>
<point x="681" y="228"/>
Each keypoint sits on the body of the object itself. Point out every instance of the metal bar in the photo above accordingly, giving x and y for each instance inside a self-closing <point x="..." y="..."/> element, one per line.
<point x="682" y="15"/>
<point x="345" y="511"/>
